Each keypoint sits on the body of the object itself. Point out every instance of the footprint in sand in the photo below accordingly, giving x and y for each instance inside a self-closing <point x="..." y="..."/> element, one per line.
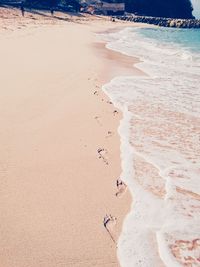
<point x="103" y="155"/>
<point x="98" y="120"/>
<point x="109" y="134"/>
<point x="121" y="187"/>
<point x="109" y="223"/>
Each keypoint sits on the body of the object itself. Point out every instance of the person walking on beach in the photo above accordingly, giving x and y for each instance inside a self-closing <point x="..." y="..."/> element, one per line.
<point x="22" y="8"/>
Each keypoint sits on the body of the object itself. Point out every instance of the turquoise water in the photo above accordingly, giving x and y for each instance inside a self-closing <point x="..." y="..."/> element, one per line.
<point x="187" y="38"/>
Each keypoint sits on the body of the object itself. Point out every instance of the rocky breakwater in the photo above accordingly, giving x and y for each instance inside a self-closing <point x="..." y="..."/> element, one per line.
<point x="164" y="22"/>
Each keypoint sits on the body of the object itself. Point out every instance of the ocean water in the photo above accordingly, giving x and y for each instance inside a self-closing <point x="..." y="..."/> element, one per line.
<point x="160" y="145"/>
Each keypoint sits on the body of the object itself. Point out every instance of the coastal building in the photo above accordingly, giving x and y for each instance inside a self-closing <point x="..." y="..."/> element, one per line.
<point x="105" y="7"/>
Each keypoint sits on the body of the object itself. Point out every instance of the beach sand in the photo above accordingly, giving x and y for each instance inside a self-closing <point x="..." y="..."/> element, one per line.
<point x="60" y="150"/>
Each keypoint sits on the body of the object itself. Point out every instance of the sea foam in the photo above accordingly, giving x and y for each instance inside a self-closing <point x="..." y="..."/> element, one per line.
<point x="160" y="147"/>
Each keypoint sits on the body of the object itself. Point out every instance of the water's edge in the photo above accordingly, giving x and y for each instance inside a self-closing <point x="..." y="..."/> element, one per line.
<point x="159" y="146"/>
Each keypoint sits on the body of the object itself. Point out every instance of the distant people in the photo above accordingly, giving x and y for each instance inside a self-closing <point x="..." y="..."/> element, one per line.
<point x="52" y="11"/>
<point x="52" y="5"/>
<point x="22" y="9"/>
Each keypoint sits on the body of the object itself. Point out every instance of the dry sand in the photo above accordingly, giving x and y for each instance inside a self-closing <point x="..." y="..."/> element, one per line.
<point x="54" y="188"/>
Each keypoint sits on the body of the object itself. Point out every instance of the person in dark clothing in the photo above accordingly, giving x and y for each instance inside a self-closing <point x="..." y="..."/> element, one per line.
<point x="22" y="8"/>
<point x="52" y="6"/>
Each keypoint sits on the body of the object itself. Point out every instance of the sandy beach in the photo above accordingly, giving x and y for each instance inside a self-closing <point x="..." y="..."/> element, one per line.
<point x="60" y="150"/>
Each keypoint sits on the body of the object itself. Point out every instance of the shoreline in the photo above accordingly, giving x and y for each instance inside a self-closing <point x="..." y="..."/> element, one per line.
<point x="156" y="187"/>
<point x="35" y="191"/>
<point x="125" y="68"/>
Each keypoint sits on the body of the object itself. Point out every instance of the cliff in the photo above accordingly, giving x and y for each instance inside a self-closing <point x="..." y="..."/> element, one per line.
<point x="159" y="8"/>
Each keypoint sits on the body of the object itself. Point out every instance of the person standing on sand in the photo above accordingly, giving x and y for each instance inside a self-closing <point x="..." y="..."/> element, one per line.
<point x="52" y="11"/>
<point x="52" y="5"/>
<point x="22" y="8"/>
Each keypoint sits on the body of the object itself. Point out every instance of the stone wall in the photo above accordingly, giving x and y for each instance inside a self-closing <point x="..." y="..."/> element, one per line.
<point x="164" y="22"/>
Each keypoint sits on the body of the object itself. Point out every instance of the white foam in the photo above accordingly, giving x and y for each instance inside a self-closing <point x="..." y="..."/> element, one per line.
<point x="159" y="127"/>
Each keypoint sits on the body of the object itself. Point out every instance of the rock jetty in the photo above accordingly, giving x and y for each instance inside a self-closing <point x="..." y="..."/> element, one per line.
<point x="164" y="22"/>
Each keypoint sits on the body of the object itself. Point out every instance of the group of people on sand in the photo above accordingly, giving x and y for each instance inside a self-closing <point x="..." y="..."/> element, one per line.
<point x="23" y="9"/>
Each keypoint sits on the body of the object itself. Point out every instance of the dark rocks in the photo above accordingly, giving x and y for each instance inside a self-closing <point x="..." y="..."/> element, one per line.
<point x="163" y="22"/>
